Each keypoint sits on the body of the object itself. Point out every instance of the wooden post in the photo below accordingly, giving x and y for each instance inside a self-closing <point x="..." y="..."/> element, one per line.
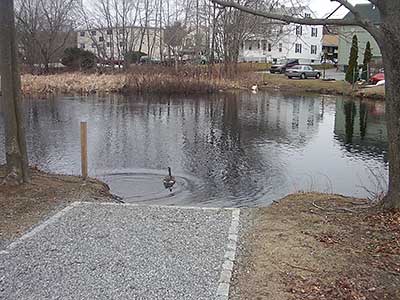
<point x="84" y="156"/>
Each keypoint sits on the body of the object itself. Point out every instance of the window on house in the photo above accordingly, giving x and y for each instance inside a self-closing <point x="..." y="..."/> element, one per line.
<point x="82" y="46"/>
<point x="109" y="31"/>
<point x="101" y="39"/>
<point x="269" y="47"/>
<point x="307" y="15"/>
<point x="242" y="46"/>
<point x="82" y="33"/>
<point x="250" y="47"/>
<point x="299" y="30"/>
<point x="280" y="47"/>
<point x="313" y="49"/>
<point x="264" y="46"/>
<point x="314" y="32"/>
<point x="258" y="45"/>
<point x="297" y="48"/>
<point x="93" y="32"/>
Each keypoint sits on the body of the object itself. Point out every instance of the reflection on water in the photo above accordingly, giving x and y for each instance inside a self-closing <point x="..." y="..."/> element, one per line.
<point x="360" y="127"/>
<point x="226" y="150"/>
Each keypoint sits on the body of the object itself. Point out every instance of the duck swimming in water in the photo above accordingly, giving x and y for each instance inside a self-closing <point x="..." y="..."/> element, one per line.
<point x="169" y="181"/>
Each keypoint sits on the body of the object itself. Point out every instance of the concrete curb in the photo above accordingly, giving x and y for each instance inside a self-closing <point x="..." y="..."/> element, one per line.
<point x="230" y="253"/>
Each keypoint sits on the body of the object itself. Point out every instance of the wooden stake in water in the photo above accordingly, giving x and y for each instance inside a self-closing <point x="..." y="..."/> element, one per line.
<point x="84" y="156"/>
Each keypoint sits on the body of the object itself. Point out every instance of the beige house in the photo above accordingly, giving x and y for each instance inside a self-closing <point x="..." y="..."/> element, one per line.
<point x="113" y="43"/>
<point x="330" y="45"/>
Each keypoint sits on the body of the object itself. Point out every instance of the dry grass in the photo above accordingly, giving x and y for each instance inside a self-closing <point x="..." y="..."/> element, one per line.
<point x="335" y="87"/>
<point x="25" y="205"/>
<point x="372" y="92"/>
<point x="143" y="79"/>
<point x="318" y="246"/>
<point x="281" y="82"/>
<point x="71" y="83"/>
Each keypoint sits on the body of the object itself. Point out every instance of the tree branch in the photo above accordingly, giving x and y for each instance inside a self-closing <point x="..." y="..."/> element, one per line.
<point x="365" y="23"/>
<point x="287" y="18"/>
<point x="357" y="21"/>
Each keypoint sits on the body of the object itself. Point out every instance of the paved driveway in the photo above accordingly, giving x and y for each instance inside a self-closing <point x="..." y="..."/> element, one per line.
<point x="333" y="74"/>
<point x="117" y="251"/>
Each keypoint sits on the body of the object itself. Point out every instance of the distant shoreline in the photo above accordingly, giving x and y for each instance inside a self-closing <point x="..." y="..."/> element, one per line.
<point x="165" y="84"/>
<point x="335" y="87"/>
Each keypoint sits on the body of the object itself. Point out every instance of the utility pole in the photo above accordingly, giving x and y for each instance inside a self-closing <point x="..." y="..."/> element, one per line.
<point x="15" y="144"/>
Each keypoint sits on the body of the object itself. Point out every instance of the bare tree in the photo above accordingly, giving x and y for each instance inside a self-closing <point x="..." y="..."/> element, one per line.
<point x="45" y="28"/>
<point x="125" y="26"/>
<point x="387" y="36"/>
<point x="174" y="36"/>
<point x="16" y="153"/>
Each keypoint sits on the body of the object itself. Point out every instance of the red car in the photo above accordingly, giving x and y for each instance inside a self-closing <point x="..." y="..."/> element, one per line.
<point x="377" y="77"/>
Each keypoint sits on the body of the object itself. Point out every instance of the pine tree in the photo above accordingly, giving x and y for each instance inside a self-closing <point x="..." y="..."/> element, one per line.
<point x="352" y="71"/>
<point x="366" y="61"/>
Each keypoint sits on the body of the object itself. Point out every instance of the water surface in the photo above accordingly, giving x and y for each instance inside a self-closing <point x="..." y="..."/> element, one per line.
<point x="225" y="150"/>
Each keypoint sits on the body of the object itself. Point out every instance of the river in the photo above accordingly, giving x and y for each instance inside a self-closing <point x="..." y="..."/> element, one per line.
<point x="238" y="149"/>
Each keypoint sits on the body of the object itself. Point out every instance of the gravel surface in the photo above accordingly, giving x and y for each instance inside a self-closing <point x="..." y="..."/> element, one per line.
<point x="111" y="251"/>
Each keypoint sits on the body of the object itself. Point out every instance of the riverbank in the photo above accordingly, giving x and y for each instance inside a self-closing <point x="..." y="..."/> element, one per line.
<point x="318" y="246"/>
<point x="334" y="87"/>
<point x="186" y="81"/>
<point x="306" y="246"/>
<point x="21" y="207"/>
<point x="150" y="80"/>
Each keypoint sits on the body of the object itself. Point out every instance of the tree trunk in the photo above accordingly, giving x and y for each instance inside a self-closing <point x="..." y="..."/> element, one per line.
<point x="16" y="154"/>
<point x="389" y="47"/>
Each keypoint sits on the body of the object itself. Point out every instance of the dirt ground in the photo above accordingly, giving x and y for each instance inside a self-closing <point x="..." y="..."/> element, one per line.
<point x="23" y="206"/>
<point x="317" y="246"/>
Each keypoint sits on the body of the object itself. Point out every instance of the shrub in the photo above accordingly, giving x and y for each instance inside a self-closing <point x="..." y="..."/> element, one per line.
<point x="352" y="71"/>
<point x="367" y="60"/>
<point x="78" y="59"/>
<point x="134" y="56"/>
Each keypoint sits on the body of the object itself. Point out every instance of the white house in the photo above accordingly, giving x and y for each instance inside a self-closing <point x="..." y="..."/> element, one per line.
<point x="303" y="42"/>
<point x="113" y="43"/>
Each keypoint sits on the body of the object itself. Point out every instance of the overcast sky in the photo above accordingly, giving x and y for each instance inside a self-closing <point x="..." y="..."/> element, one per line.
<point x="324" y="7"/>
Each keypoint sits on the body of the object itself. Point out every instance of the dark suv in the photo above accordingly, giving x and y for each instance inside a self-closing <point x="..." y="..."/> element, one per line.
<point x="281" y="68"/>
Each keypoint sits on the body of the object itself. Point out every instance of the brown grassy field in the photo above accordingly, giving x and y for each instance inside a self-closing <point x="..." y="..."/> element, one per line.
<point x="185" y="79"/>
<point x="335" y="87"/>
<point x="319" y="247"/>
<point x="281" y="82"/>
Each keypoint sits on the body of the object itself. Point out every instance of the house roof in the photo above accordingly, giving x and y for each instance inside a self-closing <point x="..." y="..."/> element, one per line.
<point x="367" y="11"/>
<point x="330" y="40"/>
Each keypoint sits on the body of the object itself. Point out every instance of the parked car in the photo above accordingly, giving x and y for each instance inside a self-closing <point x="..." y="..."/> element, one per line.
<point x="303" y="72"/>
<point x="281" y="68"/>
<point x="377" y="77"/>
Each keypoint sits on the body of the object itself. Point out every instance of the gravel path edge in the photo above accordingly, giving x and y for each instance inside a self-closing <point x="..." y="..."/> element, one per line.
<point x="229" y="257"/>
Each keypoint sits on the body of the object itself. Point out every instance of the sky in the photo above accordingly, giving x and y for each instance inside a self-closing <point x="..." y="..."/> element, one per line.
<point x="323" y="7"/>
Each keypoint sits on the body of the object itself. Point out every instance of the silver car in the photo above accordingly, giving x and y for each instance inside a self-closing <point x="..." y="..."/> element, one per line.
<point x="302" y="72"/>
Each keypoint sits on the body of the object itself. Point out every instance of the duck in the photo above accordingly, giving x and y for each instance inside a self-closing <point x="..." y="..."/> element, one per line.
<point x="169" y="181"/>
<point x="254" y="88"/>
